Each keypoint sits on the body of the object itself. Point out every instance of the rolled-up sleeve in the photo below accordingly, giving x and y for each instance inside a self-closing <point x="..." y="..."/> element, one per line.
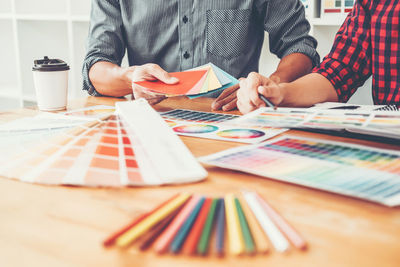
<point x="105" y="41"/>
<point x="348" y="65"/>
<point x="288" y="29"/>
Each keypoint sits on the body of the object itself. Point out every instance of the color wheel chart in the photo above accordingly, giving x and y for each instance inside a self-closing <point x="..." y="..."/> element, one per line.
<point x="358" y="171"/>
<point x="215" y="126"/>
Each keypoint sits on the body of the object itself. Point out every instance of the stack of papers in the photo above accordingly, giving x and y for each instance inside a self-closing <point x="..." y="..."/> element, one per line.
<point x="122" y="149"/>
<point x="200" y="81"/>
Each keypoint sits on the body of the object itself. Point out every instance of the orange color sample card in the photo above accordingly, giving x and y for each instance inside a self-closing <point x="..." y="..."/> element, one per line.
<point x="187" y="80"/>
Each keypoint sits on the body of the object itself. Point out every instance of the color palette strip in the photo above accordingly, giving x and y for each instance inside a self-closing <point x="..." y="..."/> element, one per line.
<point x="354" y="170"/>
<point x="186" y="224"/>
<point x="214" y="126"/>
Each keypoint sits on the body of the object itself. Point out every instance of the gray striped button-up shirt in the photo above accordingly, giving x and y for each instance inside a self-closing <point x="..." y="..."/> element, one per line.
<point x="182" y="34"/>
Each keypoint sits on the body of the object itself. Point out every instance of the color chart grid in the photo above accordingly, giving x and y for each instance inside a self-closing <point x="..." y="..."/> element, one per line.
<point x="358" y="171"/>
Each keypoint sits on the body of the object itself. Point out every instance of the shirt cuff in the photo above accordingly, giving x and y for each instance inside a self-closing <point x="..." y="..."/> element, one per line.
<point x="87" y="64"/>
<point x="305" y="47"/>
<point x="334" y="70"/>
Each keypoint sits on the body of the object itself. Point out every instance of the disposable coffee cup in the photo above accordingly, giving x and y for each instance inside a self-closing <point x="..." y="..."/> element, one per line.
<point x="50" y="77"/>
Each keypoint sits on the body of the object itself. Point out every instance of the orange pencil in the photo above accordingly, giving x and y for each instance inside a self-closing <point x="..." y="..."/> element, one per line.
<point x="190" y="245"/>
<point x="111" y="240"/>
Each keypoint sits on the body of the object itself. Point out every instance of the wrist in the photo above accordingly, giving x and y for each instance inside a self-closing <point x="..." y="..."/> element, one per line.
<point x="283" y="89"/>
<point x="125" y="75"/>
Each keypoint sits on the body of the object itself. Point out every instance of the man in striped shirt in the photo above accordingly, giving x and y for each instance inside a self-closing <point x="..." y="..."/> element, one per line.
<point x="368" y="43"/>
<point x="176" y="35"/>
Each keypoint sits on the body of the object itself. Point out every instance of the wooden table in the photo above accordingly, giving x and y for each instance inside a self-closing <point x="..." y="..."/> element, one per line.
<point x="64" y="226"/>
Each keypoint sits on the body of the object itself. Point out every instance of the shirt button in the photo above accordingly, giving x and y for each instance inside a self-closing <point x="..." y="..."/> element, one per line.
<point x="185" y="19"/>
<point x="186" y="55"/>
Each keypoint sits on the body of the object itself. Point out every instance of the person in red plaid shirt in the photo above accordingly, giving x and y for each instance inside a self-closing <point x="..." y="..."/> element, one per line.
<point x="368" y="43"/>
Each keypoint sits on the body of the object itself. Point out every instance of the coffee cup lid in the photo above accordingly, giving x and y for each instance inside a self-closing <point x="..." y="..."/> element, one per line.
<point x="47" y="64"/>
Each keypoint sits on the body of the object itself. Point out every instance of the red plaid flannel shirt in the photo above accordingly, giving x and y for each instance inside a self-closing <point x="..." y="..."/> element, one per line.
<point x="367" y="43"/>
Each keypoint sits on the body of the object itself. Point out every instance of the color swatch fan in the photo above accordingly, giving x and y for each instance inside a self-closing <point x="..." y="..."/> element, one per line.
<point x="112" y="151"/>
<point x="195" y="82"/>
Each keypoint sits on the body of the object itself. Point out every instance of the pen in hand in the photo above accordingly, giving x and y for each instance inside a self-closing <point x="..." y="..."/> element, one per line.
<point x="267" y="102"/>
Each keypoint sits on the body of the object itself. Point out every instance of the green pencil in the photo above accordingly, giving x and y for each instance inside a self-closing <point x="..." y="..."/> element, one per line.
<point x="202" y="246"/>
<point x="248" y="239"/>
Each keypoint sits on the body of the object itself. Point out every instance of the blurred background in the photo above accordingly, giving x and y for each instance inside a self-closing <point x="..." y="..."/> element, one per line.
<point x="31" y="29"/>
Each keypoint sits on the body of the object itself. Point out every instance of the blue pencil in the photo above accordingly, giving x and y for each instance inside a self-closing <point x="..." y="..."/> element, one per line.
<point x="220" y="238"/>
<point x="180" y="237"/>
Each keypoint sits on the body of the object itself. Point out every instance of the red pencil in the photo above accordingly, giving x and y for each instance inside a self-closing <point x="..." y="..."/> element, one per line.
<point x="190" y="245"/>
<point x="110" y="240"/>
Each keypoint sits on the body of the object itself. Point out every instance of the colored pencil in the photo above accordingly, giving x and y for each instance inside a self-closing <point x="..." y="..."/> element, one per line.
<point x="220" y="236"/>
<point x="293" y="236"/>
<point x="149" y="238"/>
<point x="276" y="237"/>
<point x="260" y="239"/>
<point x="144" y="225"/>
<point x="111" y="239"/>
<point x="185" y="229"/>
<point x="202" y="246"/>
<point x="164" y="240"/>
<point x="235" y="239"/>
<point x="190" y="245"/>
<point x="248" y="239"/>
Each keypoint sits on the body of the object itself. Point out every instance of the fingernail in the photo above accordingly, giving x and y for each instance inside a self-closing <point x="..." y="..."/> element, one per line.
<point x="174" y="80"/>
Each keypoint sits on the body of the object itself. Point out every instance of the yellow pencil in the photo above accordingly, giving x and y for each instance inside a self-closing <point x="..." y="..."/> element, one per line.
<point x="258" y="234"/>
<point x="139" y="229"/>
<point x="235" y="238"/>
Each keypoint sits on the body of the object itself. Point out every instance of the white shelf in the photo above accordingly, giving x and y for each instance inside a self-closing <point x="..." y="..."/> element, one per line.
<point x="50" y="7"/>
<point x="41" y="17"/>
<point x="9" y="92"/>
<point x="80" y="18"/>
<point x="6" y="16"/>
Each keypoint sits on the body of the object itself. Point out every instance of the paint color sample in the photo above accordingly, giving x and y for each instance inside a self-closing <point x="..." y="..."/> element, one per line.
<point x="197" y="116"/>
<point x="186" y="82"/>
<point x="354" y="170"/>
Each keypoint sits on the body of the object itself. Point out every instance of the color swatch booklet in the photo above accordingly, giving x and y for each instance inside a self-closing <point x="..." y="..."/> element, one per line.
<point x="354" y="170"/>
<point x="380" y="123"/>
<point x="117" y="150"/>
<point x="215" y="126"/>
<point x="201" y="81"/>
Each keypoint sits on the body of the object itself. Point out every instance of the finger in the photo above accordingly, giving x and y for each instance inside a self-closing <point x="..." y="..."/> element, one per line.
<point x="156" y="100"/>
<point x="243" y="102"/>
<point x="272" y="93"/>
<point x="244" y="107"/>
<point x="157" y="72"/>
<point x="142" y="92"/>
<point x="219" y="103"/>
<point x="230" y="106"/>
<point x="229" y="90"/>
<point x="252" y="83"/>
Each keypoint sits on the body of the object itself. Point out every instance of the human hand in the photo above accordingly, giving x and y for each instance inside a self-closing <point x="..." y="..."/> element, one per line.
<point x="149" y="72"/>
<point x="252" y="86"/>
<point x="227" y="100"/>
